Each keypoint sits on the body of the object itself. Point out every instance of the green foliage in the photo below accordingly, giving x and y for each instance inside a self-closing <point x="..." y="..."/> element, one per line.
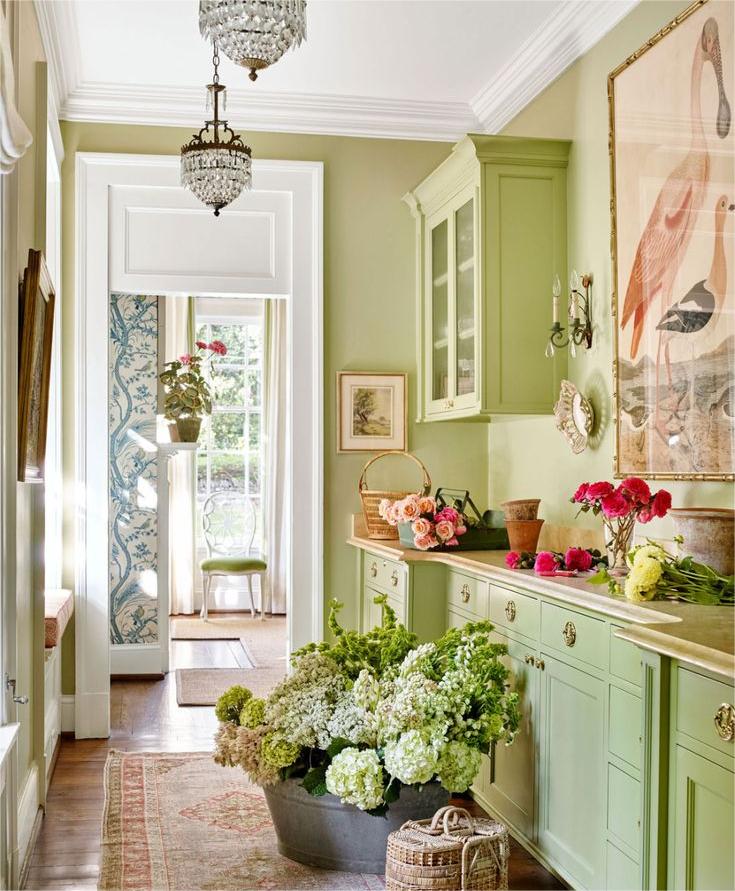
<point x="315" y="781"/>
<point x="231" y="703"/>
<point x="187" y="392"/>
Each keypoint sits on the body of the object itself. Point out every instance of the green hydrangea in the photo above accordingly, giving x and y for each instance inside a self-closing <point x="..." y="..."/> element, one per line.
<point x="230" y="703"/>
<point x="252" y="714"/>
<point x="278" y="752"/>
<point x="410" y="758"/>
<point x="457" y="766"/>
<point x="357" y="778"/>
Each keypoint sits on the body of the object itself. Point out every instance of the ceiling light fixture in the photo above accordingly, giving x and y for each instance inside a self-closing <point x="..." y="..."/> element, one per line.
<point x="253" y="33"/>
<point x="216" y="169"/>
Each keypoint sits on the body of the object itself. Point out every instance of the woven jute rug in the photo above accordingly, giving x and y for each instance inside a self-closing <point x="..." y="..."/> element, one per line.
<point x="263" y="641"/>
<point x="204" y="686"/>
<point x="181" y="823"/>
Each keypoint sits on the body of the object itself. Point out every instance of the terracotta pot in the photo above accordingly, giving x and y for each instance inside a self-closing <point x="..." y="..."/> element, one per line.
<point x="185" y="430"/>
<point x="523" y="534"/>
<point x="521" y="509"/>
<point x="708" y="534"/>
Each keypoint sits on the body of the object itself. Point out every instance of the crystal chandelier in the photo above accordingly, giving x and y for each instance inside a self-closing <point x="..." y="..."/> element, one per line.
<point x="216" y="169"/>
<point x="253" y="33"/>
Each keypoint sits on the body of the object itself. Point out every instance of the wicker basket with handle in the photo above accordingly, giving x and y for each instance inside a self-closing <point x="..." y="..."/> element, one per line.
<point x="371" y="498"/>
<point x="451" y="852"/>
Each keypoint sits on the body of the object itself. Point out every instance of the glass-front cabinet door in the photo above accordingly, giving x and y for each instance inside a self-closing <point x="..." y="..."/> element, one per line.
<point x="451" y="319"/>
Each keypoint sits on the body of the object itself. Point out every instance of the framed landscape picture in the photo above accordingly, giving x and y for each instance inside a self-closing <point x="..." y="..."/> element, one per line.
<point x="672" y="159"/>
<point x="371" y="411"/>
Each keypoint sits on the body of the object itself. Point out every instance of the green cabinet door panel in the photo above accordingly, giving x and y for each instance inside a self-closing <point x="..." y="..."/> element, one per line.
<point x="624" y="807"/>
<point x="571" y="825"/>
<point x="621" y="871"/>
<point x="624" y="726"/>
<point x="510" y="787"/>
<point x="702" y="826"/>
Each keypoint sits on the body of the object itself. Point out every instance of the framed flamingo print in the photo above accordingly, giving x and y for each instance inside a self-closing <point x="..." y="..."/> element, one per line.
<point x="672" y="166"/>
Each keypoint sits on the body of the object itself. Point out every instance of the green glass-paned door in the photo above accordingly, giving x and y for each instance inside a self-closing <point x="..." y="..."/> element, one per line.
<point x="703" y="826"/>
<point x="464" y="251"/>
<point x="440" y="311"/>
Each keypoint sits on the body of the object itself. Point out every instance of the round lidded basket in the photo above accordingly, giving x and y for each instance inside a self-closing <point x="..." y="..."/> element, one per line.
<point x="376" y="526"/>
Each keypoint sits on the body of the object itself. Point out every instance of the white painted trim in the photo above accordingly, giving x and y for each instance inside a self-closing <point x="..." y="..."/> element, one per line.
<point x="546" y="54"/>
<point x="134" y="659"/>
<point x="67" y="712"/>
<point x="28" y="805"/>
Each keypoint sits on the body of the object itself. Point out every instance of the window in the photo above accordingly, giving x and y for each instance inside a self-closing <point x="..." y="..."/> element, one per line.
<point x="231" y="454"/>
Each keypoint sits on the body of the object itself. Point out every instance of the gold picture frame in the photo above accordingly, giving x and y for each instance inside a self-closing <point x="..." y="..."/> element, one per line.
<point x="372" y="411"/>
<point x="36" y="328"/>
<point x="669" y="422"/>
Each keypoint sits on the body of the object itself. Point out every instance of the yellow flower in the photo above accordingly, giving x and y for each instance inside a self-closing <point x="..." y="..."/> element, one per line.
<point x="650" y="550"/>
<point x="641" y="583"/>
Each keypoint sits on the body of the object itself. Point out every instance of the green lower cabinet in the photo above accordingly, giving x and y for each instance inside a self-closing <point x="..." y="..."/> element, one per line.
<point x="622" y="873"/>
<point x="702" y="827"/>
<point x="571" y="824"/>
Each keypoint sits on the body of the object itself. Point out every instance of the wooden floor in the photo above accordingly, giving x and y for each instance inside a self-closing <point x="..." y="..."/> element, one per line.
<point x="145" y="717"/>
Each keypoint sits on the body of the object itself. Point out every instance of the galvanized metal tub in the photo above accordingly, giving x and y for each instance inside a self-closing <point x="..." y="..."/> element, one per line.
<point x="325" y="833"/>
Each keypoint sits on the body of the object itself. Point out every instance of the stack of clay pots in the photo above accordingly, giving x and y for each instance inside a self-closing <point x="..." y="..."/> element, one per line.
<point x="522" y="524"/>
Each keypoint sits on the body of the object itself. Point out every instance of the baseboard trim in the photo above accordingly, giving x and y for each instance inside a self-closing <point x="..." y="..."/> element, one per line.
<point x="135" y="659"/>
<point x="92" y="715"/>
<point x="67" y="713"/>
<point x="29" y="813"/>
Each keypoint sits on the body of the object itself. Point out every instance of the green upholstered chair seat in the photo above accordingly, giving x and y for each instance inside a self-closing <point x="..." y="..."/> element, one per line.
<point x="233" y="564"/>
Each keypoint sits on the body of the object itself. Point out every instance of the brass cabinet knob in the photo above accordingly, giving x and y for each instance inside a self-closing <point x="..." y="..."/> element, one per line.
<point x="540" y="664"/>
<point x="465" y="593"/>
<point x="373" y="570"/>
<point x="449" y="403"/>
<point x="569" y="633"/>
<point x="725" y="722"/>
<point x="394" y="578"/>
<point x="510" y="611"/>
<point x="530" y="660"/>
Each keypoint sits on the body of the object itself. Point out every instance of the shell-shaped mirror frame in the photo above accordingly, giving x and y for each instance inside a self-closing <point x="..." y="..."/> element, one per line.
<point x="574" y="417"/>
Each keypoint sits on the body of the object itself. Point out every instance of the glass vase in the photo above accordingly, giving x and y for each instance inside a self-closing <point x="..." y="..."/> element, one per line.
<point x="618" y="534"/>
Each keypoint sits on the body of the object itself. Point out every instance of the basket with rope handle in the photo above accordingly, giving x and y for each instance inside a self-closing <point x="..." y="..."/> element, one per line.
<point x="453" y="851"/>
<point x="376" y="526"/>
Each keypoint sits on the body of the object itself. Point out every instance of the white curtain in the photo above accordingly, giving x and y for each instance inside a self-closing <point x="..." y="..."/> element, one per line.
<point x="276" y="409"/>
<point x="15" y="137"/>
<point x="179" y="338"/>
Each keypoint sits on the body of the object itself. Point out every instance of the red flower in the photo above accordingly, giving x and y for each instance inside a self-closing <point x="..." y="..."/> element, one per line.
<point x="661" y="503"/>
<point x="185" y="359"/>
<point x="201" y="344"/>
<point x="216" y="346"/>
<point x="579" y="495"/>
<point x="577" y="558"/>
<point x="637" y="489"/>
<point x="616" y="505"/>
<point x="512" y="559"/>
<point x="598" y="490"/>
<point x="545" y="562"/>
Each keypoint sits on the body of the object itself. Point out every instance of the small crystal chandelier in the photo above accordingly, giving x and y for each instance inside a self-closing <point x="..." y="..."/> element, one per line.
<point x="218" y="169"/>
<point x="253" y="33"/>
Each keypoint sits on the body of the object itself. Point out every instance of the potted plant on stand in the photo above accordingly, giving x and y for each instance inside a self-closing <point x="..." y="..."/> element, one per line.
<point x="367" y="733"/>
<point x="188" y="396"/>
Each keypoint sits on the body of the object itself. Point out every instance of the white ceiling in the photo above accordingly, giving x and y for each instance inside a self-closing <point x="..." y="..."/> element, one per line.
<point x="411" y="68"/>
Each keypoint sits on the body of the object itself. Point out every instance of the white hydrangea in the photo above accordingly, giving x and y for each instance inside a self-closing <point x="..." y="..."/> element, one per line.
<point x="357" y="778"/>
<point x="347" y="721"/>
<point x="410" y="758"/>
<point x="412" y="702"/>
<point x="366" y="690"/>
<point x="457" y="766"/>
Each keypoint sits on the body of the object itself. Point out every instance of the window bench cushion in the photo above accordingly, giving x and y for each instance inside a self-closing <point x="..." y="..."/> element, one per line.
<point x="59" y="607"/>
<point x="233" y="564"/>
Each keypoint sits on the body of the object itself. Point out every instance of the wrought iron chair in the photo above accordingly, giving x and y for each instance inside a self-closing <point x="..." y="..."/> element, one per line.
<point x="228" y="523"/>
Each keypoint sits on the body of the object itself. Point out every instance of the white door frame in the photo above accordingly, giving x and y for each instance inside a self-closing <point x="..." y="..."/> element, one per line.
<point x="96" y="175"/>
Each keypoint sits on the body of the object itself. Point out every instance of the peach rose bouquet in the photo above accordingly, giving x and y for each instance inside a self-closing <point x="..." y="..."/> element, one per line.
<point x="431" y="528"/>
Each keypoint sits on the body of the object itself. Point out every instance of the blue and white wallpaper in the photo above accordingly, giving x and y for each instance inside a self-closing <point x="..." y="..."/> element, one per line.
<point x="133" y="468"/>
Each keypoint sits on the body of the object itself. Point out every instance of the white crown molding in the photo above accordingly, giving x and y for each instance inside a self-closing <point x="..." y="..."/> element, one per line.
<point x="546" y="54"/>
<point x="274" y="112"/>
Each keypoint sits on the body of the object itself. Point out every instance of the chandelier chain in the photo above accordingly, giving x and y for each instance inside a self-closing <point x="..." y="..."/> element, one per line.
<point x="215" y="62"/>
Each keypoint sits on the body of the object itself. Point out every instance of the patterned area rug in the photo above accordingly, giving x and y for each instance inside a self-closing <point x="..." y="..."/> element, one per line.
<point x="181" y="823"/>
<point x="204" y="686"/>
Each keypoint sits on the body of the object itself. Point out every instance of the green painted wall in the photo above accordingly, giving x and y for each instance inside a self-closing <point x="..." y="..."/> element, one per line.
<point x="529" y="457"/>
<point x="369" y="309"/>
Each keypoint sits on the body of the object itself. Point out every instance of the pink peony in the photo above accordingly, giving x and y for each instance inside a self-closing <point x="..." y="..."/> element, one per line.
<point x="658" y="507"/>
<point x="598" y="490"/>
<point x="636" y="489"/>
<point x="579" y="495"/>
<point x="545" y="562"/>
<point x="512" y="559"/>
<point x="425" y="542"/>
<point x="202" y="345"/>
<point x="577" y="558"/>
<point x="444" y="530"/>
<point x="216" y="346"/>
<point x="185" y="359"/>
<point x="427" y="505"/>
<point x="616" y="505"/>
<point x="448" y="513"/>
<point x="422" y="526"/>
<point x="452" y="543"/>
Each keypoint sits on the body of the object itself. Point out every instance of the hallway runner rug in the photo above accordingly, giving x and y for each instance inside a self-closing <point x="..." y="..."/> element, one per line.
<point x="264" y="642"/>
<point x="204" y="686"/>
<point x="179" y="822"/>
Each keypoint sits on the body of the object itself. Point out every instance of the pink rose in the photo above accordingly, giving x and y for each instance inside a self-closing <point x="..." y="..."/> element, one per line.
<point x="636" y="489"/>
<point x="598" y="490"/>
<point x="512" y="559"/>
<point x="390" y="515"/>
<point x="383" y="507"/>
<point x="460" y="530"/>
<point x="448" y="513"/>
<point x="452" y="543"/>
<point x="185" y="359"/>
<point x="201" y="344"/>
<point x="661" y="503"/>
<point x="422" y="527"/>
<point x="408" y="509"/>
<point x="425" y="542"/>
<point x="427" y="505"/>
<point x="579" y="495"/>
<point x="577" y="558"/>
<point x="616" y="505"/>
<point x="216" y="346"/>
<point x="444" y="530"/>
<point x="545" y="562"/>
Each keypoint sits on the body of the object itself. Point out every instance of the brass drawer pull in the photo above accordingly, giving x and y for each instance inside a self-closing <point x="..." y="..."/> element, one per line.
<point x="530" y="660"/>
<point x="394" y="578"/>
<point x="540" y="664"/>
<point x="510" y="611"/>
<point x="465" y="593"/>
<point x="725" y="722"/>
<point x="569" y="634"/>
<point x="373" y="570"/>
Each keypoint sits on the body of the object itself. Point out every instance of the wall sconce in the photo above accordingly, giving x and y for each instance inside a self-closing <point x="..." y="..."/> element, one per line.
<point x="580" y="333"/>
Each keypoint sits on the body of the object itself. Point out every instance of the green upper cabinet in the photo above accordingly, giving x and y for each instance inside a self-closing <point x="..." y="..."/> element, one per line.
<point x="491" y="235"/>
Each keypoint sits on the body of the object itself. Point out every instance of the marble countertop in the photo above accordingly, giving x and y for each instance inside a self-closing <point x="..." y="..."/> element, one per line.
<point x="703" y="636"/>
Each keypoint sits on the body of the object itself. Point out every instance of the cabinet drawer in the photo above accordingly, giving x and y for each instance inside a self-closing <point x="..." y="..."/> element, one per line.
<point x="625" y="659"/>
<point x="374" y="612"/>
<point x="387" y="576"/>
<point x="574" y="633"/>
<point x="624" y="734"/>
<point x="623" y="806"/>
<point x="514" y="611"/>
<point x="700" y="702"/>
<point x="468" y="593"/>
